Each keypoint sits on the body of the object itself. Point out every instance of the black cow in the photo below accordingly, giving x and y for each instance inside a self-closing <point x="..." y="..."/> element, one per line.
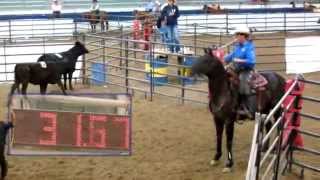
<point x="4" y="126"/>
<point x="68" y="59"/>
<point x="37" y="74"/>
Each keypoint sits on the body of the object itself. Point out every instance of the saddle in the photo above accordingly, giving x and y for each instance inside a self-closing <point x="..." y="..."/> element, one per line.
<point x="256" y="81"/>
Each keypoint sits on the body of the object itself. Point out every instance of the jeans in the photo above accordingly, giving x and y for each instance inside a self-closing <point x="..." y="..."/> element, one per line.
<point x="163" y="34"/>
<point x="173" y="38"/>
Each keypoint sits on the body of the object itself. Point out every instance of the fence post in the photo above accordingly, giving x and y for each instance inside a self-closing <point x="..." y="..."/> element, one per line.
<point x="76" y="27"/>
<point x="227" y="22"/>
<point x="5" y="59"/>
<point x="127" y="63"/>
<point x="121" y="45"/>
<point x="10" y="31"/>
<point x="195" y="38"/>
<point x="84" y="78"/>
<point x="104" y="58"/>
<point x="279" y="148"/>
<point x="285" y="23"/>
<point x="44" y="44"/>
<point x="183" y="87"/>
<point x="151" y="71"/>
<point x="261" y="119"/>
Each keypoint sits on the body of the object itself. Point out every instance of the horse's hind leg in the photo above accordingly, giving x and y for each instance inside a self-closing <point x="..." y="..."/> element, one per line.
<point x="229" y="134"/>
<point x="219" y="132"/>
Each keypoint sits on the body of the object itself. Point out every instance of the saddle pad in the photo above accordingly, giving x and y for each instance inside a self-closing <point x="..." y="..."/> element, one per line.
<point x="258" y="81"/>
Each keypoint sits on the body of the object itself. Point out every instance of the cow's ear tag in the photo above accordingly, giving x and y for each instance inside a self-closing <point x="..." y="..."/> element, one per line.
<point x="43" y="64"/>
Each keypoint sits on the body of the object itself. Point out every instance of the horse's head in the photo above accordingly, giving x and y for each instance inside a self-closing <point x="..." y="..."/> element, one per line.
<point x="208" y="65"/>
<point x="81" y="49"/>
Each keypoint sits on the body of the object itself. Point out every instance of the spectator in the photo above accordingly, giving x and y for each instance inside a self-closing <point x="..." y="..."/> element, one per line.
<point x="171" y="14"/>
<point x="162" y="28"/>
<point x="56" y="8"/>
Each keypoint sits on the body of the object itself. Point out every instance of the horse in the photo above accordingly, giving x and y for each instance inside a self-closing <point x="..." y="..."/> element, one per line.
<point x="94" y="18"/>
<point x="213" y="9"/>
<point x="224" y="100"/>
<point x="67" y="60"/>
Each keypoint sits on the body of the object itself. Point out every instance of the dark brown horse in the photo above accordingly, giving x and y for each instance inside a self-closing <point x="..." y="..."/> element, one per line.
<point x="224" y="100"/>
<point x="95" y="18"/>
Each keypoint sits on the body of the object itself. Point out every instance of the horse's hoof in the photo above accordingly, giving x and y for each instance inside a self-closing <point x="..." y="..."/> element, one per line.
<point x="226" y="170"/>
<point x="214" y="162"/>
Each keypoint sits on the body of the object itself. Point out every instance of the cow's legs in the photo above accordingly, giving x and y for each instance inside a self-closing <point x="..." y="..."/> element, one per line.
<point x="24" y="88"/>
<point x="65" y="81"/>
<point x="61" y="87"/>
<point x="43" y="88"/>
<point x="14" y="87"/>
<point x="70" y="80"/>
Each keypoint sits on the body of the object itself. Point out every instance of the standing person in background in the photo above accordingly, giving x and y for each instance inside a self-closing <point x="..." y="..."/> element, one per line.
<point x="95" y="8"/>
<point x="171" y="14"/>
<point x="95" y="15"/>
<point x="56" y="8"/>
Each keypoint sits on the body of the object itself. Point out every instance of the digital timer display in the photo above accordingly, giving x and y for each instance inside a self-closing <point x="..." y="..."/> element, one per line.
<point x="73" y="130"/>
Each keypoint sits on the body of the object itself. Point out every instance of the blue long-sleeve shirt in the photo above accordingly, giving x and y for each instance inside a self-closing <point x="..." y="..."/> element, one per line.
<point x="245" y="51"/>
<point x="173" y="19"/>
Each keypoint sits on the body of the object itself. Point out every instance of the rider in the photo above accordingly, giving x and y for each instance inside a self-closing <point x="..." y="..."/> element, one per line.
<point x="243" y="57"/>
<point x="95" y="7"/>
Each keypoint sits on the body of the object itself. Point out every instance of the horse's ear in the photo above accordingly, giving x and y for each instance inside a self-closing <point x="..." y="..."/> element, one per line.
<point x="208" y="51"/>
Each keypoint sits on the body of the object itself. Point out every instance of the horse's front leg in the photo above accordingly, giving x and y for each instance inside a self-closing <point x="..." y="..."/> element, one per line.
<point x="219" y="132"/>
<point x="229" y="134"/>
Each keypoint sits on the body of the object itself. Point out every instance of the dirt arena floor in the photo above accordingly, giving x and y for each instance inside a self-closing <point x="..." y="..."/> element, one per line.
<point x="170" y="142"/>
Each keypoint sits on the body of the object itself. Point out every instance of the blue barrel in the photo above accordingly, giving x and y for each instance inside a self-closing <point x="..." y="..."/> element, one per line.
<point x="157" y="69"/>
<point x="186" y="71"/>
<point x="98" y="74"/>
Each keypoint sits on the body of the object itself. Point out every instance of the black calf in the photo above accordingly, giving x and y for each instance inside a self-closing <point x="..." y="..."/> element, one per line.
<point x="68" y="60"/>
<point x="36" y="74"/>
